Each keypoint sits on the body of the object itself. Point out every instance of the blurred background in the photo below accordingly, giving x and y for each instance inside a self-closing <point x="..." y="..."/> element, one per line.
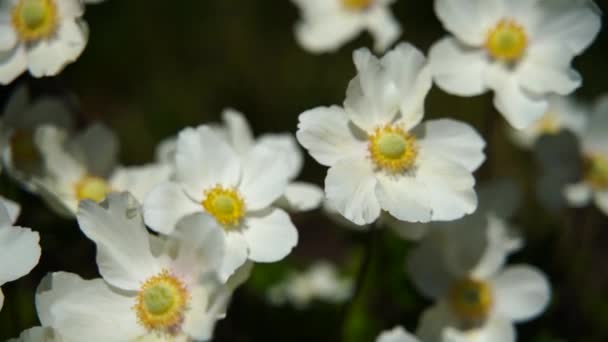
<point x="154" y="67"/>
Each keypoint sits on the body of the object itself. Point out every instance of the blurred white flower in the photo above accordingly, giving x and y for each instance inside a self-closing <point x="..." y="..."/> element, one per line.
<point x="166" y="287"/>
<point x="84" y="167"/>
<point x="328" y="24"/>
<point x="594" y="151"/>
<point x="237" y="191"/>
<point x="380" y="155"/>
<point x="522" y="50"/>
<point x="397" y="334"/>
<point x="563" y="113"/>
<point x="477" y="297"/>
<point x="21" y="116"/>
<point x="19" y="247"/>
<point x="41" y="36"/>
<point x="320" y="282"/>
<point x="299" y="196"/>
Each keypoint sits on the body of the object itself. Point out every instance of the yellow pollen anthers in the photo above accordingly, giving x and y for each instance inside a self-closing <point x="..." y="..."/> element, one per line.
<point x="92" y="188"/>
<point x="471" y="300"/>
<point x="595" y="170"/>
<point x="393" y="149"/>
<point x="35" y="19"/>
<point x="507" y="41"/>
<point x="226" y="205"/>
<point x="548" y="124"/>
<point x="357" y="5"/>
<point x="161" y="303"/>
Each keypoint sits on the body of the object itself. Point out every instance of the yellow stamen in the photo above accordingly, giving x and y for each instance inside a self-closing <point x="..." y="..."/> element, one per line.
<point x="507" y="41"/>
<point x="226" y="205"/>
<point x="93" y="188"/>
<point x="595" y="170"/>
<point x="393" y="149"/>
<point x="471" y="300"/>
<point x="161" y="303"/>
<point x="35" y="19"/>
<point x="548" y="124"/>
<point x="357" y="5"/>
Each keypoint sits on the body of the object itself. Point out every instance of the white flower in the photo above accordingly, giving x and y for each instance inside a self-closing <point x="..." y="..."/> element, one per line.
<point x="477" y="298"/>
<point x="150" y="286"/>
<point x="19" y="247"/>
<point x="238" y="192"/>
<point x="21" y="116"/>
<point x="84" y="167"/>
<point x="328" y="24"/>
<point x="38" y="334"/>
<point x="397" y="334"/>
<point x="299" y="196"/>
<point x="41" y="36"/>
<point x="320" y="282"/>
<point x="522" y="50"/>
<point x="594" y="151"/>
<point x="381" y="156"/>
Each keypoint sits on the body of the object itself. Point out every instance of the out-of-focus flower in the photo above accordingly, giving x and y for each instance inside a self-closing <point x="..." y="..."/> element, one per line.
<point x="380" y="155"/>
<point x="84" y="167"/>
<point x="522" y="50"/>
<point x="151" y="286"/>
<point x="41" y="36"/>
<point x="320" y="282"/>
<point x="563" y="114"/>
<point x="397" y="334"/>
<point x="19" y="247"/>
<point x="594" y="153"/>
<point x="477" y="298"/>
<point x="238" y="192"/>
<point x="22" y="115"/>
<point x="328" y="24"/>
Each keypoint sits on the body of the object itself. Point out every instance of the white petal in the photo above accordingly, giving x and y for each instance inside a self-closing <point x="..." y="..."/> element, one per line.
<point x="12" y="211"/>
<point x="19" y="252"/>
<point x="291" y="150"/>
<point x="300" y="196"/>
<point x="38" y="334"/>
<point x="165" y="205"/>
<point x="522" y="292"/>
<point x="51" y="142"/>
<point x="49" y="57"/>
<point x="469" y="20"/>
<point x="270" y="237"/>
<point x="397" y="334"/>
<point x="350" y="187"/>
<point x="116" y="227"/>
<point x="578" y="195"/>
<point x="496" y="329"/>
<point x="199" y="321"/>
<point x="547" y="70"/>
<point x="12" y="64"/>
<point x="264" y="178"/>
<point x="139" y="180"/>
<point x="433" y="323"/>
<point x="499" y="242"/>
<point x="97" y="148"/>
<point x="70" y="8"/>
<point x="328" y="32"/>
<point x="236" y="252"/>
<point x="458" y="69"/>
<point x="239" y="132"/>
<point x="204" y="160"/>
<point x="328" y="135"/>
<point x="404" y="198"/>
<point x="453" y="140"/>
<point x="8" y="36"/>
<point x="383" y="26"/>
<point x="448" y="186"/>
<point x="112" y="319"/>
<point x="601" y="200"/>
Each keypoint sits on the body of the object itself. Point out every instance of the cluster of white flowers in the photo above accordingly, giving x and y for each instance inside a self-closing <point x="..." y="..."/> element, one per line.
<point x="218" y="200"/>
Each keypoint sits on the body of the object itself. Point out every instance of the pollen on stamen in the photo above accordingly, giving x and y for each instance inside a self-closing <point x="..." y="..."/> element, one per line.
<point x="225" y="205"/>
<point x="471" y="300"/>
<point x="393" y="149"/>
<point x="161" y="303"/>
<point x="507" y="41"/>
<point x="35" y="19"/>
<point x="357" y="5"/>
<point x="92" y="188"/>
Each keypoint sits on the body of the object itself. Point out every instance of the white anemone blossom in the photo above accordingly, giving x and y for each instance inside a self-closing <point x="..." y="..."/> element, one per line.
<point x="41" y="36"/>
<point x="478" y="299"/>
<point x="563" y="113"/>
<point x="328" y="24"/>
<point x="594" y="152"/>
<point x="239" y="192"/>
<point x="522" y="50"/>
<point x="83" y="166"/>
<point x="299" y="196"/>
<point x="153" y="289"/>
<point x="19" y="247"/>
<point x="397" y="334"/>
<point x="21" y="116"/>
<point x="381" y="156"/>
